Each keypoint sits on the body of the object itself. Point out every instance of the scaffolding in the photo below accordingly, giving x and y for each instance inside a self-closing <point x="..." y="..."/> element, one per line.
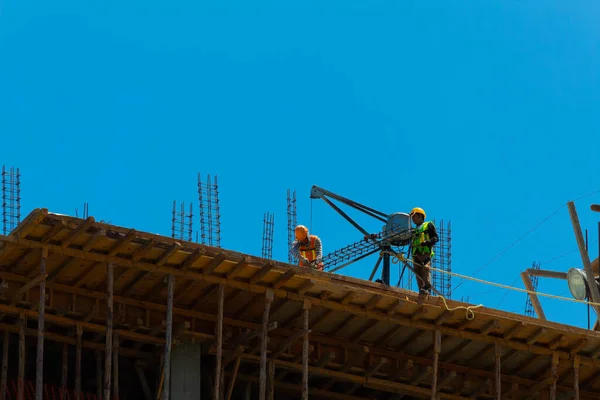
<point x="529" y="309"/>
<point x="292" y="222"/>
<point x="210" y="218"/>
<point x="267" y="238"/>
<point x="11" y="199"/>
<point x="182" y="222"/>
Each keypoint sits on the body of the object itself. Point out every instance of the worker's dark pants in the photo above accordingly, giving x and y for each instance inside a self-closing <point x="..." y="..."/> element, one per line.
<point x="422" y="271"/>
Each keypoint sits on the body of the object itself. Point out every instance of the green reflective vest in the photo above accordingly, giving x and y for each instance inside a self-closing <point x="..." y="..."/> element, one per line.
<point x="421" y="235"/>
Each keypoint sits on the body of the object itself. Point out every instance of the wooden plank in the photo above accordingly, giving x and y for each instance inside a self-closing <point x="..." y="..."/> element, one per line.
<point x="231" y="274"/>
<point x="192" y="258"/>
<point x="168" y="339"/>
<point x="109" y="333"/>
<point x="263" y="343"/>
<point x="144" y="382"/>
<point x="261" y="273"/>
<point x="121" y="243"/>
<point x="546" y="274"/>
<point x="534" y="299"/>
<point x="271" y="381"/>
<point x="78" y="362"/>
<point x="39" y="365"/>
<point x="219" y="336"/>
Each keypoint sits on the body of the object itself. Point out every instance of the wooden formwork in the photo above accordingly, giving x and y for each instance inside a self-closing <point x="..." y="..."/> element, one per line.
<point x="285" y="328"/>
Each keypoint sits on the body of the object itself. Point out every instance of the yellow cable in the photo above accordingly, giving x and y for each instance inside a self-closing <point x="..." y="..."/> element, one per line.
<point x="398" y="257"/>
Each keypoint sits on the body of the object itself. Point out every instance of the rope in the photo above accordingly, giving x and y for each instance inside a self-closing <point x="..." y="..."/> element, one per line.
<point x="399" y="257"/>
<point x="470" y="314"/>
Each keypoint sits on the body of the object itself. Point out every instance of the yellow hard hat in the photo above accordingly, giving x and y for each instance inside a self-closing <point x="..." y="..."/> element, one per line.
<point x="301" y="232"/>
<point x="418" y="210"/>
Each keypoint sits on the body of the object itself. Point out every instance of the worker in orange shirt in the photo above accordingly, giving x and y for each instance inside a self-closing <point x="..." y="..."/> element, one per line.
<point x="307" y="249"/>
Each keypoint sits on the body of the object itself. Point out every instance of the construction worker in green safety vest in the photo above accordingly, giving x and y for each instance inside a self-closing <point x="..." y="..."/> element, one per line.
<point x="423" y="239"/>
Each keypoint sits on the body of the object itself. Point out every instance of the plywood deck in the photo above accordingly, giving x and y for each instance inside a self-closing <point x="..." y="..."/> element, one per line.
<point x="367" y="340"/>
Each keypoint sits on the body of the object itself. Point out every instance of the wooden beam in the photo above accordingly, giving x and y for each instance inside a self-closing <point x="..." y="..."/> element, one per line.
<point x="234" y="376"/>
<point x="115" y="367"/>
<point x="81" y="228"/>
<point x="39" y="365"/>
<point x="263" y="343"/>
<point x="546" y="274"/>
<point x="243" y="263"/>
<point x="64" y="372"/>
<point x="143" y="382"/>
<point x="27" y="287"/>
<point x="192" y="258"/>
<point x="553" y="375"/>
<point x="168" y="339"/>
<point x="99" y="375"/>
<point x="22" y="356"/>
<point x="284" y="278"/>
<point x="122" y="243"/>
<point x="437" y="348"/>
<point x="214" y="263"/>
<point x="219" y="336"/>
<point x="498" y="371"/>
<point x="109" y="328"/>
<point x="4" y="378"/>
<point x="305" y="323"/>
<point x="576" y="363"/>
<point x="261" y="273"/>
<point x="587" y="267"/>
<point x="78" y="362"/>
<point x="271" y="381"/>
<point x="294" y="296"/>
<point x="534" y="299"/>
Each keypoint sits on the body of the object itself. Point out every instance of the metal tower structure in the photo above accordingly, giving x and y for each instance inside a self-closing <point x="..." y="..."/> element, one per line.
<point x="267" y="238"/>
<point x="182" y="222"/>
<point x="210" y="218"/>
<point x="11" y="199"/>
<point x="529" y="310"/>
<point x="292" y="222"/>
<point x="442" y="260"/>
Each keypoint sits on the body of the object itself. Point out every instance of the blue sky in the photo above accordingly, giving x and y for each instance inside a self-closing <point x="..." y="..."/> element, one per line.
<point x="483" y="113"/>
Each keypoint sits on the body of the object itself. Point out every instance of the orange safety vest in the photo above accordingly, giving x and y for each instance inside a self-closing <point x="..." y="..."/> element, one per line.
<point x="309" y="251"/>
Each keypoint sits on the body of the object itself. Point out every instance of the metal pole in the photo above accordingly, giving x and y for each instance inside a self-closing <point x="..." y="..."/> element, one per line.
<point x="385" y="273"/>
<point x="168" y="339"/>
<point x="39" y="364"/>
<point x="109" y="335"/>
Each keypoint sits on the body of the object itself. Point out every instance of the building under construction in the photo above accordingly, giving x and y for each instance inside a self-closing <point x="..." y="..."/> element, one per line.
<point x="90" y="310"/>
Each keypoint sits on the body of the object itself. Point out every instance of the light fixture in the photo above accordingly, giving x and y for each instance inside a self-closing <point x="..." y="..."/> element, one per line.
<point x="578" y="284"/>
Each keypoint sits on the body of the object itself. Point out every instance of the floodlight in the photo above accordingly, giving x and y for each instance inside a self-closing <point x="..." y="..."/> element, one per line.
<point x="578" y="284"/>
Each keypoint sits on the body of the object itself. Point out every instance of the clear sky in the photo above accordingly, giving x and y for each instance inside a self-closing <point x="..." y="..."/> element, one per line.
<point x="483" y="113"/>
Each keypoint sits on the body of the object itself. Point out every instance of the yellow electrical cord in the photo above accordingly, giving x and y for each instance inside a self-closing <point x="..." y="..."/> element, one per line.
<point x="470" y="314"/>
